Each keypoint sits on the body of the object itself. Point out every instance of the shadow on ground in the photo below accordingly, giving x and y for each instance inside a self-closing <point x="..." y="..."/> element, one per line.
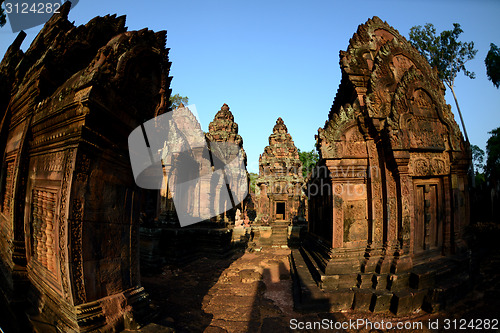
<point x="252" y="292"/>
<point x="177" y="294"/>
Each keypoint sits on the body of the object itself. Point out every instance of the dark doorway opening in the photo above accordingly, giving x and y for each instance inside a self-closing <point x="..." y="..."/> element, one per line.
<point x="280" y="211"/>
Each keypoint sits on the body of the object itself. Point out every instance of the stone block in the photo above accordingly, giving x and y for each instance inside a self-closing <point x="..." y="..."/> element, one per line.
<point x="380" y="281"/>
<point x="341" y="300"/>
<point x="402" y="302"/>
<point x="330" y="282"/>
<point x="365" y="281"/>
<point x="418" y="298"/>
<point x="381" y="301"/>
<point x="362" y="300"/>
<point x="422" y="279"/>
<point x="398" y="282"/>
<point x="347" y="281"/>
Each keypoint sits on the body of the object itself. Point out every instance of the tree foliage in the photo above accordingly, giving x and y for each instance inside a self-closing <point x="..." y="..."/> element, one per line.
<point x="446" y="53"/>
<point x="477" y="158"/>
<point x="309" y="160"/>
<point x="492" y="62"/>
<point x="253" y="180"/>
<point x="493" y="160"/>
<point x="2" y="15"/>
<point x="177" y="99"/>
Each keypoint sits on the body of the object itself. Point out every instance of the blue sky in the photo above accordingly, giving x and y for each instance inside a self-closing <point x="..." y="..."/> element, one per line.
<point x="270" y="59"/>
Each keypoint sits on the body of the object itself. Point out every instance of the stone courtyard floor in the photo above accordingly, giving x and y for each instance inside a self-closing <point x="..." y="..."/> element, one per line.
<point x="252" y="292"/>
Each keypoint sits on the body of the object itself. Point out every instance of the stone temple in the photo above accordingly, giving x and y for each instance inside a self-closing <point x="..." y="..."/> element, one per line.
<point x="387" y="204"/>
<point x="279" y="196"/>
<point x="222" y="130"/>
<point x="390" y="203"/>
<point x="166" y="240"/>
<point x="69" y="208"/>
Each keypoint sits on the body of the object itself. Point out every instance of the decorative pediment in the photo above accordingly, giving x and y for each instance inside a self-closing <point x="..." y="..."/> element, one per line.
<point x="394" y="60"/>
<point x="364" y="47"/>
<point x="280" y="157"/>
<point x="341" y="135"/>
<point x="391" y="95"/>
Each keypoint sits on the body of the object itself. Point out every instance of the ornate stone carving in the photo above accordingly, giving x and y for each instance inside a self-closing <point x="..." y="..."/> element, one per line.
<point x="76" y="252"/>
<point x="7" y="195"/>
<point x="43" y="212"/>
<point x="389" y="114"/>
<point x="222" y="130"/>
<point x="72" y="102"/>
<point x="281" y="175"/>
<point x="63" y="208"/>
<point x="429" y="164"/>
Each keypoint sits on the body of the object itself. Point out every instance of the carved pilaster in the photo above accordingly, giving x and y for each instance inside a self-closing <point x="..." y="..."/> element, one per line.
<point x="76" y="221"/>
<point x="63" y="223"/>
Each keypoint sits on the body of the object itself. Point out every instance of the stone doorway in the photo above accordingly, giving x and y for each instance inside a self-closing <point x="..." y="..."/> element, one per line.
<point x="280" y="211"/>
<point x="429" y="214"/>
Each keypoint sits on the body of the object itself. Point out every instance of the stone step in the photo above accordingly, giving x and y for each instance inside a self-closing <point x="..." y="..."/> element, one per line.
<point x="315" y="271"/>
<point x="307" y="295"/>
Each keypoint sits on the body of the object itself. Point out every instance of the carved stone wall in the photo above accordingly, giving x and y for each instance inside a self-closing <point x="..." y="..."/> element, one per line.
<point x="397" y="166"/>
<point x="206" y="197"/>
<point x="279" y="185"/>
<point x="70" y="206"/>
<point x="224" y="130"/>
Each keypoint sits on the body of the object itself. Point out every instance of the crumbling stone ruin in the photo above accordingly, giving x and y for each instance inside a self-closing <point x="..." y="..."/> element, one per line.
<point x="69" y="208"/>
<point x="222" y="130"/>
<point x="167" y="240"/>
<point x="279" y="194"/>
<point x="386" y="228"/>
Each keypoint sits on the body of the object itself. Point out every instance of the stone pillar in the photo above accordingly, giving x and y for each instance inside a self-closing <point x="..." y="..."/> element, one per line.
<point x="404" y="247"/>
<point x="350" y="221"/>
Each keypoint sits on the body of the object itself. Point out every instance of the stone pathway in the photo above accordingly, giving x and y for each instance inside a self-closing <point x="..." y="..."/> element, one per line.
<point x="252" y="292"/>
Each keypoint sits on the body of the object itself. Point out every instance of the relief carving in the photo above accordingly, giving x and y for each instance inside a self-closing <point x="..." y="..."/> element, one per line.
<point x="44" y="233"/>
<point x="63" y="246"/>
<point x="7" y="195"/>
<point x="76" y="253"/>
<point x="429" y="165"/>
<point x="52" y="162"/>
<point x="355" y="224"/>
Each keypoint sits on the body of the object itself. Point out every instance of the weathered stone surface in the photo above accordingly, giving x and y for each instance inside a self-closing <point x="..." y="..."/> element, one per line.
<point x="362" y="300"/>
<point x="212" y="178"/>
<point x="381" y="301"/>
<point x="279" y="197"/>
<point x="271" y="295"/>
<point x="223" y="145"/>
<point x="341" y="299"/>
<point x="69" y="203"/>
<point x="279" y="186"/>
<point x="249" y="275"/>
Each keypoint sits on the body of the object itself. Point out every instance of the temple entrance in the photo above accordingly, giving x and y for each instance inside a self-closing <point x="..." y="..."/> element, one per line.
<point x="280" y="211"/>
<point x="428" y="217"/>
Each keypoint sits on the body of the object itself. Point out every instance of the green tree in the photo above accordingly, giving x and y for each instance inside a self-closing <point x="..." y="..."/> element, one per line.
<point x="177" y="99"/>
<point x="309" y="160"/>
<point x="2" y="15"/>
<point x="493" y="159"/>
<point x="492" y="62"/>
<point x="446" y="53"/>
<point x="253" y="180"/>
<point x="477" y="158"/>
